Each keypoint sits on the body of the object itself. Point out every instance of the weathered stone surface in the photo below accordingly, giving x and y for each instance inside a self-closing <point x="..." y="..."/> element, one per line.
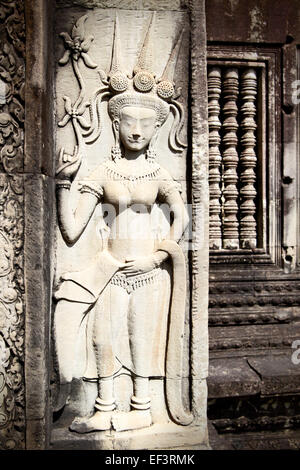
<point x="247" y="338"/>
<point x="38" y="208"/>
<point x="254" y="413"/>
<point x="38" y="89"/>
<point x="278" y="374"/>
<point x="252" y="21"/>
<point x="259" y="287"/>
<point x="274" y="407"/>
<point x="156" y="437"/>
<point x="199" y="190"/>
<point x="231" y="377"/>
<point x="285" y="440"/>
<point x="253" y="441"/>
<point x="39" y="192"/>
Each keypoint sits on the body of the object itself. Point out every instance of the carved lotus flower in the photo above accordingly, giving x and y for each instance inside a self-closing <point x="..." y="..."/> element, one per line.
<point x="77" y="45"/>
<point x="74" y="113"/>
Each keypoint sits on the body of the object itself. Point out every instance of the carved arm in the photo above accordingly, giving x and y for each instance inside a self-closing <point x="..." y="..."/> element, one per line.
<point x="72" y="224"/>
<point x="179" y="223"/>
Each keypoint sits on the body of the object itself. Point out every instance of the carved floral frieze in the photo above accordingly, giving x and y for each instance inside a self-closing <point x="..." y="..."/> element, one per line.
<point x="277" y="293"/>
<point x="12" y="82"/>
<point x="11" y="312"/>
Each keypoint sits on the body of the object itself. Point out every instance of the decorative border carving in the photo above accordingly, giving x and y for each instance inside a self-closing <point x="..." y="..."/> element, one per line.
<point x="246" y="343"/>
<point x="249" y="318"/>
<point x="262" y="423"/>
<point x="253" y="294"/>
<point x="11" y="313"/>
<point x="12" y="81"/>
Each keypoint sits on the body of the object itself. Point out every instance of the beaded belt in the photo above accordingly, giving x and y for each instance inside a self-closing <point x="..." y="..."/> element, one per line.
<point x="131" y="283"/>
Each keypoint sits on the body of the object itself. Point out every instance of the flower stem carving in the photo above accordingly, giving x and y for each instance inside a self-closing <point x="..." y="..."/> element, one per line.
<point x="76" y="47"/>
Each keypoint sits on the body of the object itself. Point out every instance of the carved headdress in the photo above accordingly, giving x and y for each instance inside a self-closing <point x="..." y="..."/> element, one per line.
<point x="142" y="88"/>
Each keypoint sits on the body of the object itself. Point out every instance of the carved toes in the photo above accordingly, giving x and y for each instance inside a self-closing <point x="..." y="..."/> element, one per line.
<point x="100" y="421"/>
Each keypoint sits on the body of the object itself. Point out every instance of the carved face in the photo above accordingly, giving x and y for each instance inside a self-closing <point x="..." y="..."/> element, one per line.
<point x="137" y="126"/>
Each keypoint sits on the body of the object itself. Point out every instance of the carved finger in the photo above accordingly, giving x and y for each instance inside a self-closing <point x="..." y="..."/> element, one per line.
<point x="63" y="167"/>
<point x="133" y="273"/>
<point x="129" y="270"/>
<point x="129" y="265"/>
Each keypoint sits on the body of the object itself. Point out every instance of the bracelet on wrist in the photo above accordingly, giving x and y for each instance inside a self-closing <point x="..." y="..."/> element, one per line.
<point x="66" y="184"/>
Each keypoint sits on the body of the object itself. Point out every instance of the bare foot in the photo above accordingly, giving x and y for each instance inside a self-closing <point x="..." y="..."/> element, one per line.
<point x="131" y="420"/>
<point x="100" y="421"/>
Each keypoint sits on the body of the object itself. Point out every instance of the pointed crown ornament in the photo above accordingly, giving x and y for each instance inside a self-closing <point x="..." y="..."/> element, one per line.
<point x="142" y="88"/>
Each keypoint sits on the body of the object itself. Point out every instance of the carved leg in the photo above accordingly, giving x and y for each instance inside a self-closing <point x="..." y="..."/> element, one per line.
<point x="102" y="340"/>
<point x="147" y="333"/>
<point x="140" y="416"/>
<point x="105" y="404"/>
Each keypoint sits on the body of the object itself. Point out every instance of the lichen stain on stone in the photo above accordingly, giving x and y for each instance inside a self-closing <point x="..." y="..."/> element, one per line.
<point x="257" y="24"/>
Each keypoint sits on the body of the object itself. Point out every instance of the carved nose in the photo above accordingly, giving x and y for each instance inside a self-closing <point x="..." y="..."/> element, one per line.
<point x="136" y="131"/>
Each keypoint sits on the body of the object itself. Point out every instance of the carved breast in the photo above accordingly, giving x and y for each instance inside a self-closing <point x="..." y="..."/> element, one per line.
<point x="130" y="193"/>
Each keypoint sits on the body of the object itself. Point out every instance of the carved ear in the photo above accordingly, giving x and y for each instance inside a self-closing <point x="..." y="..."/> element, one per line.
<point x="116" y="125"/>
<point x="155" y="135"/>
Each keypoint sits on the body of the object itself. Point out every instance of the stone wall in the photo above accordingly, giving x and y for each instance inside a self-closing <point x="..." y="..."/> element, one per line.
<point x="254" y="290"/>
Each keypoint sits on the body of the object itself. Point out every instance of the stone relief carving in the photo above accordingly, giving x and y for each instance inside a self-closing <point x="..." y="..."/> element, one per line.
<point x="12" y="78"/>
<point x="11" y="313"/>
<point x="132" y="297"/>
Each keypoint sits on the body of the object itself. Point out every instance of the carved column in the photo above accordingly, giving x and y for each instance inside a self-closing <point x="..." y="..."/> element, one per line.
<point x="214" y="92"/>
<point x="230" y="159"/>
<point x="248" y="160"/>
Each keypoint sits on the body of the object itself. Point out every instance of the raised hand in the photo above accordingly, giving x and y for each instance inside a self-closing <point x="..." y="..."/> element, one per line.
<point x="69" y="164"/>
